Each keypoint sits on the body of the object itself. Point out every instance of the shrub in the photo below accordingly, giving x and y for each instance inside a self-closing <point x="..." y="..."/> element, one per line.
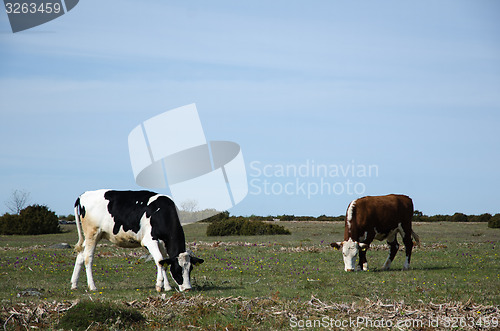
<point x="418" y="216"/>
<point x="38" y="219"/>
<point x="32" y="220"/>
<point x="435" y="218"/>
<point x="9" y="224"/>
<point x="459" y="217"/>
<point x="83" y="314"/>
<point x="242" y="227"/>
<point x="480" y="218"/>
<point x="286" y="218"/>
<point x="217" y="217"/>
<point x="494" y="222"/>
<point x="224" y="228"/>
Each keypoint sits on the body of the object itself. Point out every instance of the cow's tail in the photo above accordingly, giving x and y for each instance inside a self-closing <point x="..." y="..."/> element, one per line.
<point x="416" y="237"/>
<point x="351" y="211"/>
<point x="78" y="210"/>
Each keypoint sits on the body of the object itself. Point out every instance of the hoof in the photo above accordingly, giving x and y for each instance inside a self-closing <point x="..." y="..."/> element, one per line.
<point x="158" y="289"/>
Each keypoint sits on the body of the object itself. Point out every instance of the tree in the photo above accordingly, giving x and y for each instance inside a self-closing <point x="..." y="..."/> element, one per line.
<point x="18" y="201"/>
<point x="189" y="205"/>
<point x="418" y="213"/>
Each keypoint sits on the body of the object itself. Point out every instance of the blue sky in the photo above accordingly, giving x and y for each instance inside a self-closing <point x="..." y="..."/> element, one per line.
<point x="412" y="88"/>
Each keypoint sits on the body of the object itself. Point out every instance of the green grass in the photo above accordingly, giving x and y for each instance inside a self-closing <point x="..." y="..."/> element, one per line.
<point x="457" y="262"/>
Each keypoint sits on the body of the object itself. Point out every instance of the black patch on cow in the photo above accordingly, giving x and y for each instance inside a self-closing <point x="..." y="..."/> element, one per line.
<point x="127" y="208"/>
<point x="81" y="209"/>
<point x="176" y="272"/>
<point x="165" y="225"/>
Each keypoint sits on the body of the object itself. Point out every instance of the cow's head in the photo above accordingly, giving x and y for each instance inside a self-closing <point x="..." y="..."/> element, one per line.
<point x="350" y="250"/>
<point x="180" y="269"/>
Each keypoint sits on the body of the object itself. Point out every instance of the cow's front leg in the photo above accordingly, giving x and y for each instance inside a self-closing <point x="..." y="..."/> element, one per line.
<point x="161" y="275"/>
<point x="363" y="262"/>
<point x="164" y="254"/>
<point x="162" y="280"/>
<point x="394" y="246"/>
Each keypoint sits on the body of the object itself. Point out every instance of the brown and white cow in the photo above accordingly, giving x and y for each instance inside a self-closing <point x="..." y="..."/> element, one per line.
<point x="133" y="219"/>
<point x="381" y="218"/>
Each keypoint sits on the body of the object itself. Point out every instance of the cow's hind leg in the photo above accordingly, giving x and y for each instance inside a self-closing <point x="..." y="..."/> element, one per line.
<point x="408" y="248"/>
<point x="394" y="247"/>
<point x="88" y="257"/>
<point x="76" y="270"/>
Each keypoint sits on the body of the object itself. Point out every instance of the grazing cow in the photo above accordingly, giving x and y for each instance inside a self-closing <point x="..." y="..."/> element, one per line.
<point x="378" y="217"/>
<point x="133" y="219"/>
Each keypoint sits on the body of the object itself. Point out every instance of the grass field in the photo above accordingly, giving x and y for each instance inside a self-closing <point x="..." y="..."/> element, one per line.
<point x="266" y="282"/>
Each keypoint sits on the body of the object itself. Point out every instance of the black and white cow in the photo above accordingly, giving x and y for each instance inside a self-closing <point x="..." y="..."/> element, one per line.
<point x="381" y="218"/>
<point x="133" y="219"/>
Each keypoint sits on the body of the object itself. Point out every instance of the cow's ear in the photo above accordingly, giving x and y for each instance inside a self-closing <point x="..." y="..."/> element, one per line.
<point x="363" y="246"/>
<point x="166" y="262"/>
<point x="196" y="261"/>
<point x="337" y="245"/>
